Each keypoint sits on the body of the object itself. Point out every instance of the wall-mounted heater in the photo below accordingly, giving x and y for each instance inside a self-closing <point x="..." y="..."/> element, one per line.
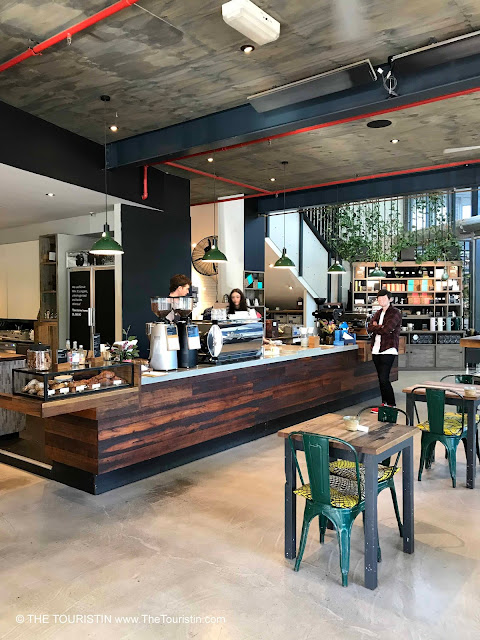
<point x="352" y="75"/>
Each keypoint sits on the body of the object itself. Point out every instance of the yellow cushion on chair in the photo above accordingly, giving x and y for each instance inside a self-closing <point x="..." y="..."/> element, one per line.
<point x="452" y="425"/>
<point x="346" y="469"/>
<point x="343" y="492"/>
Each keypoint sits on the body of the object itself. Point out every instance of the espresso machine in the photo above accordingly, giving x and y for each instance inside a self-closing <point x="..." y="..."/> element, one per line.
<point x="188" y="335"/>
<point x="163" y="336"/>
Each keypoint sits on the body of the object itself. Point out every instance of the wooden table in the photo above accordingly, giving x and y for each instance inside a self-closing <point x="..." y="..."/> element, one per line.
<point x="382" y="441"/>
<point x="471" y="405"/>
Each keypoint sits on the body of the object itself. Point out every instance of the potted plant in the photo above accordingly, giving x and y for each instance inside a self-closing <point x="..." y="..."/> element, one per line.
<point x="327" y="329"/>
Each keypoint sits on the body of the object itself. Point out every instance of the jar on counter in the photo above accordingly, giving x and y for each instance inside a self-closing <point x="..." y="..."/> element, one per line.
<point x="39" y="357"/>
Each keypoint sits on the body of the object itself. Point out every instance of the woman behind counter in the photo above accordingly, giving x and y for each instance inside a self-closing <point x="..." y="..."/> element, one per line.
<point x="238" y="302"/>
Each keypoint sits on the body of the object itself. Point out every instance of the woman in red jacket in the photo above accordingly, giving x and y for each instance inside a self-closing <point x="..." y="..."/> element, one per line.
<point x="385" y="329"/>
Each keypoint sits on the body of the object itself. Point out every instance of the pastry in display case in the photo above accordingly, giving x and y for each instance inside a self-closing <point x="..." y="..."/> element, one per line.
<point x="58" y="382"/>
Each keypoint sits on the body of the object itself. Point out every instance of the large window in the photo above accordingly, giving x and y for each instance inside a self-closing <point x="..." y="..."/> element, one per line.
<point x="463" y="204"/>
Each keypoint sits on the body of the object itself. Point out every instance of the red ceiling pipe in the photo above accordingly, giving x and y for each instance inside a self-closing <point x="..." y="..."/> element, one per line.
<point x="211" y="175"/>
<point x="67" y="33"/>
<point x="145" y="182"/>
<point x="374" y="176"/>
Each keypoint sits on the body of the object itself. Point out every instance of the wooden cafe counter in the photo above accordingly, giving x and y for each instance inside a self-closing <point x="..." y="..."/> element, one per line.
<point x="98" y="442"/>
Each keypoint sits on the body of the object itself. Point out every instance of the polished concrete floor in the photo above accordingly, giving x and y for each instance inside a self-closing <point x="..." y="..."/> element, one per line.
<point x="207" y="540"/>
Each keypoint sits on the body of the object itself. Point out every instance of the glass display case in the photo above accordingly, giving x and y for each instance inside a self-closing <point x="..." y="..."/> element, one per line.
<point x="63" y="382"/>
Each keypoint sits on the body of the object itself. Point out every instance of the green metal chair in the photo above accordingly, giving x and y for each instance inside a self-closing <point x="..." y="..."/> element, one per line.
<point x="463" y="379"/>
<point x="330" y="497"/>
<point x="446" y="429"/>
<point x="386" y="472"/>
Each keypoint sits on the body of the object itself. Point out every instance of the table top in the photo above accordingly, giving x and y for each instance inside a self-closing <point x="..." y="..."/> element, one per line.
<point x="459" y="388"/>
<point x="380" y="437"/>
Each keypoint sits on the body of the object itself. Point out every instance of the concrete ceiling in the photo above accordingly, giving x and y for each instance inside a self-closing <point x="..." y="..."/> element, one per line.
<point x="345" y="151"/>
<point x="24" y="201"/>
<point x="159" y="74"/>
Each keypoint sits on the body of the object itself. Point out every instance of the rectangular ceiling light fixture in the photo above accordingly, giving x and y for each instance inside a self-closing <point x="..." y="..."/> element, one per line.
<point x="245" y="17"/>
<point x="437" y="53"/>
<point x="353" y="75"/>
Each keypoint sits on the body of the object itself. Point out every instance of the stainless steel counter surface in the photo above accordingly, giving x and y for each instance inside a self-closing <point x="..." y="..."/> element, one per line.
<point x="287" y="352"/>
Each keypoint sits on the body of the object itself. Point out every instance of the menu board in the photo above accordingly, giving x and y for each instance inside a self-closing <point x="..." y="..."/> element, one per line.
<point x="79" y="297"/>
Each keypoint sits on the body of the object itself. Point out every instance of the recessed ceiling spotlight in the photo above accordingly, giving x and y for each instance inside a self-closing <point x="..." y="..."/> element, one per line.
<point x="113" y="128"/>
<point x="379" y="124"/>
<point x="50" y="195"/>
<point x="209" y="159"/>
<point x="394" y="140"/>
<point x="290" y="287"/>
<point x="247" y="48"/>
<point x="272" y="179"/>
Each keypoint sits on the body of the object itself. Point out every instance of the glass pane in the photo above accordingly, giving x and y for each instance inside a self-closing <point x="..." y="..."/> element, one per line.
<point x="463" y="205"/>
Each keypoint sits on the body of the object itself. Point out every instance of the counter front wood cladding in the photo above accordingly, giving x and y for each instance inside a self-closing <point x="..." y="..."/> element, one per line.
<point x="171" y="415"/>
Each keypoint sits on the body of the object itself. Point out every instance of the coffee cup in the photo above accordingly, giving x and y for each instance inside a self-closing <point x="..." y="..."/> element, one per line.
<point x="351" y="423"/>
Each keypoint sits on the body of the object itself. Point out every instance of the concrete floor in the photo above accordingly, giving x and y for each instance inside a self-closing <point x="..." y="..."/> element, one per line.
<point x="207" y="540"/>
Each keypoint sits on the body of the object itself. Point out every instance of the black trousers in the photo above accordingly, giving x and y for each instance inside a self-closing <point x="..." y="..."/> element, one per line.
<point x="383" y="365"/>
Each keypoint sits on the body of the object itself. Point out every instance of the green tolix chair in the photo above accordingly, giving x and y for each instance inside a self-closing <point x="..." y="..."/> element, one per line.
<point x="448" y="429"/>
<point x="386" y="471"/>
<point x="460" y="379"/>
<point x="330" y="497"/>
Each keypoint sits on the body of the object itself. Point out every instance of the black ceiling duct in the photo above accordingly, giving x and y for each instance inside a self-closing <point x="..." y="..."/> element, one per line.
<point x="437" y="53"/>
<point x="353" y="75"/>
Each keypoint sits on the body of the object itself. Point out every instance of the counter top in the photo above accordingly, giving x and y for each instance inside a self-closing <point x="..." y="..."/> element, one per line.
<point x="5" y="356"/>
<point x="472" y="342"/>
<point x="287" y="353"/>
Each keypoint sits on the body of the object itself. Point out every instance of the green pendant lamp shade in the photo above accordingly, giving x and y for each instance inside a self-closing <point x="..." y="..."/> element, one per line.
<point x="106" y="245"/>
<point x="214" y="254"/>
<point x="336" y="269"/>
<point x="378" y="272"/>
<point x="284" y="261"/>
<point x="445" y="274"/>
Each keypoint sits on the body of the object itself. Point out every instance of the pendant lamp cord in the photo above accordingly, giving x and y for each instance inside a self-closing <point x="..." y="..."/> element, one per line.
<point x="105" y="156"/>
<point x="214" y="200"/>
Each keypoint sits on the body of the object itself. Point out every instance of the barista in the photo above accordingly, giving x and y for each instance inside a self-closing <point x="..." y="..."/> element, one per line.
<point x="179" y="287"/>
<point x="238" y="302"/>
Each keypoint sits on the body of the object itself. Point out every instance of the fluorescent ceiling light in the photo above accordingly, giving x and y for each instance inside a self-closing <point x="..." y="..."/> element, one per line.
<point x="460" y="149"/>
<point x="244" y="16"/>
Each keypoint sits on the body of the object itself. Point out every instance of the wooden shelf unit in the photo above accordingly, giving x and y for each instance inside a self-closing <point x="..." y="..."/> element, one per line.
<point x="411" y="291"/>
<point x="254" y="287"/>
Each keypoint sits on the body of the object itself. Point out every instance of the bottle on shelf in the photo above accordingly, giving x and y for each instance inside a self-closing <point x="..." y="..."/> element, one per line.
<point x="69" y="351"/>
<point x="82" y="356"/>
<point x="75" y="355"/>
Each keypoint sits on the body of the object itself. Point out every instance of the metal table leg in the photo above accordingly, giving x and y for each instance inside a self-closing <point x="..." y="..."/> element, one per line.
<point x="290" y="503"/>
<point x="471" y="442"/>
<point x="371" y="523"/>
<point x="407" y="489"/>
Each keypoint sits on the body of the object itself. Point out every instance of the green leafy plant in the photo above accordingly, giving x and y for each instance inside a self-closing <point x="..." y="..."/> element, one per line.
<point x="126" y="349"/>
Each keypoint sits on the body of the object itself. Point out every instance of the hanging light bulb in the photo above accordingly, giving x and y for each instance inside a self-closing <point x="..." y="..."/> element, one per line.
<point x="284" y="261"/>
<point x="106" y="245"/>
<point x="214" y="254"/>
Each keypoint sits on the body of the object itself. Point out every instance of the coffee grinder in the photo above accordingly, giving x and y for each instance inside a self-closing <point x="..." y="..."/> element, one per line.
<point x="163" y="336"/>
<point x="188" y="334"/>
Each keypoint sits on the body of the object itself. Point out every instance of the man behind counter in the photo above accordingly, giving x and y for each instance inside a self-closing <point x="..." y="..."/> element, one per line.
<point x="179" y="286"/>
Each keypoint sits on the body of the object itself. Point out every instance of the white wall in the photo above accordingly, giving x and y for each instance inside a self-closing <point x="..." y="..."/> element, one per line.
<point x="202" y="226"/>
<point x="230" y="226"/>
<point x="315" y="262"/>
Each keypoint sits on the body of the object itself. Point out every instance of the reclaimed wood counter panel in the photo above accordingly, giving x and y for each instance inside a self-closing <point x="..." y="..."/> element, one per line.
<point x="172" y="415"/>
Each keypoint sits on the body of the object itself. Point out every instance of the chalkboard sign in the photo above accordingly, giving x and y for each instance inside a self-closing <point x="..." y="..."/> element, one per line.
<point x="96" y="345"/>
<point x="80" y="302"/>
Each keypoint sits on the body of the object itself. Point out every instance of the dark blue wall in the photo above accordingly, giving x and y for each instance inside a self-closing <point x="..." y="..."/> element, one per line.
<point x="156" y="245"/>
<point x="254" y="238"/>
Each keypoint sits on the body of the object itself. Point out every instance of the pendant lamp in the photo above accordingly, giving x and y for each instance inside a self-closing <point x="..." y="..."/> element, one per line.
<point x="106" y="245"/>
<point x="336" y="269"/>
<point x="284" y="261"/>
<point x="214" y="254"/>
<point x="377" y="272"/>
